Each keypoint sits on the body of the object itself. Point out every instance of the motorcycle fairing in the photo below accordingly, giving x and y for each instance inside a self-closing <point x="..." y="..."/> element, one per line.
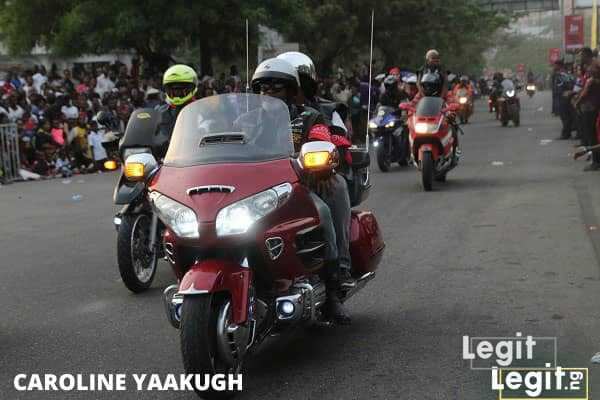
<point x="125" y="191"/>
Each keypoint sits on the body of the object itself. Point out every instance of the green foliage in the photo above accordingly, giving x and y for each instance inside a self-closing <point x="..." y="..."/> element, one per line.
<point x="330" y="31"/>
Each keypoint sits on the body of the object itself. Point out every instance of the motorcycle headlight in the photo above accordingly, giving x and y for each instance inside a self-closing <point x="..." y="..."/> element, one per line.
<point x="390" y="124"/>
<point x="426" y="127"/>
<point x="510" y="93"/>
<point x="462" y="100"/>
<point x="373" y="125"/>
<point x="237" y="218"/>
<point x="531" y="88"/>
<point x="181" y="219"/>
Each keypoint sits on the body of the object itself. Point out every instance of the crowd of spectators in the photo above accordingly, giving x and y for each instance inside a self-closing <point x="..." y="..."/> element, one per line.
<point x="576" y="99"/>
<point x="55" y="110"/>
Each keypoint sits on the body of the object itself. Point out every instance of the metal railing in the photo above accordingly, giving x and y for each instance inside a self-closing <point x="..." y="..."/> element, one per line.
<point x="9" y="153"/>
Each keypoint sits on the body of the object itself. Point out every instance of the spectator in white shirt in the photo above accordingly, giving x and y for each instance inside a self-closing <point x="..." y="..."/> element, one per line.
<point x="15" y="111"/>
<point x="69" y="110"/>
<point x="95" y="139"/>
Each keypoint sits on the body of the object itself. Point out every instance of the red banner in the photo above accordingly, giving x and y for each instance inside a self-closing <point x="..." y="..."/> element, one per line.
<point x="553" y="55"/>
<point x="574" y="33"/>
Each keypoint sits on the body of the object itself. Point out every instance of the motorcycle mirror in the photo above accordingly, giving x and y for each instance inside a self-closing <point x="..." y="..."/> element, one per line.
<point x="139" y="166"/>
<point x="318" y="156"/>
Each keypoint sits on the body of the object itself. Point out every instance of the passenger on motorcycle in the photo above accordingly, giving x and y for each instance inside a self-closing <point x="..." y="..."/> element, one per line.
<point x="278" y="78"/>
<point x="433" y="66"/>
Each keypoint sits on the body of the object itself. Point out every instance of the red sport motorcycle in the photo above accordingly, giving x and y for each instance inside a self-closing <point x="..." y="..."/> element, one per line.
<point x="433" y="138"/>
<point x="242" y="232"/>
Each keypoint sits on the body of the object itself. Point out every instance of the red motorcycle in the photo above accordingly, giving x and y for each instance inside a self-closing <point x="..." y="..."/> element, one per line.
<point x="242" y="231"/>
<point x="433" y="139"/>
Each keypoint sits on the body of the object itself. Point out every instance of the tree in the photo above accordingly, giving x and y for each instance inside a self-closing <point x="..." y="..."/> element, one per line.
<point x="404" y="29"/>
<point x="155" y="29"/>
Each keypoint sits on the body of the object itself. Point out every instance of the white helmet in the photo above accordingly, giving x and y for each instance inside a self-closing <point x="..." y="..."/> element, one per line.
<point x="275" y="69"/>
<point x="303" y="64"/>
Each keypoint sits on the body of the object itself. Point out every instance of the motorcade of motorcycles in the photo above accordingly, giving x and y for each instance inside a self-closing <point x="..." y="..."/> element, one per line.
<point x="138" y="228"/>
<point x="242" y="232"/>
<point x="465" y="103"/>
<point x="509" y="107"/>
<point x="390" y="137"/>
<point x="433" y="138"/>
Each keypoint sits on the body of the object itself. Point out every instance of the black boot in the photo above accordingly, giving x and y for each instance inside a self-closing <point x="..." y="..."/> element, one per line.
<point x="335" y="310"/>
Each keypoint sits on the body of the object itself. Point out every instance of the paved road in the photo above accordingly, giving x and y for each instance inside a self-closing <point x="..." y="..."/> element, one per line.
<point x="508" y="244"/>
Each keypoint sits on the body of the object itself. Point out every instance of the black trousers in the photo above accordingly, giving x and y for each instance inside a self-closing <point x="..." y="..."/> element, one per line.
<point x="567" y="116"/>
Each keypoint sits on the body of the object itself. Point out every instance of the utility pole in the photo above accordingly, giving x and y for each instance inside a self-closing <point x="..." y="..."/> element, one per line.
<point x="594" y="36"/>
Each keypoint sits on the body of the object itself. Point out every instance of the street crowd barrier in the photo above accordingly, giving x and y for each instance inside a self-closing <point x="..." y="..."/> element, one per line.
<point x="9" y="153"/>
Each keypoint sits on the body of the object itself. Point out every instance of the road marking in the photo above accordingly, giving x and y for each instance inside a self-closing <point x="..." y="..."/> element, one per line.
<point x="497" y="163"/>
<point x="545" y="142"/>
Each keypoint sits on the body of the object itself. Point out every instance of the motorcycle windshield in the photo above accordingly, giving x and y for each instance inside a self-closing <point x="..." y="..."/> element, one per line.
<point x="231" y="128"/>
<point x="429" y="107"/>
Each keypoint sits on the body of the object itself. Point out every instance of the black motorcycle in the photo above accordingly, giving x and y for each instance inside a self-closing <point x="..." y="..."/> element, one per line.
<point x="509" y="107"/>
<point x="390" y="137"/>
<point x="138" y="228"/>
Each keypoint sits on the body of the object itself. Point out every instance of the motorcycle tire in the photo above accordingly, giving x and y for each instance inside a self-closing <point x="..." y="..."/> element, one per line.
<point x="441" y="178"/>
<point x="504" y="122"/>
<point x="427" y="171"/>
<point x="517" y="119"/>
<point x="198" y="337"/>
<point x="383" y="161"/>
<point x="137" y="274"/>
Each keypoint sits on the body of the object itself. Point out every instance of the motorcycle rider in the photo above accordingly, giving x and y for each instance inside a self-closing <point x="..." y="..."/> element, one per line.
<point x="392" y="95"/>
<point x="278" y="78"/>
<point x="464" y="84"/>
<point x="335" y="114"/>
<point x="433" y="66"/>
<point x="496" y="92"/>
<point x="180" y="83"/>
<point x="410" y="86"/>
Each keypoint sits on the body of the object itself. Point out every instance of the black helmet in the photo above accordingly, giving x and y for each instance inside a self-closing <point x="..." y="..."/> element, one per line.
<point x="431" y="82"/>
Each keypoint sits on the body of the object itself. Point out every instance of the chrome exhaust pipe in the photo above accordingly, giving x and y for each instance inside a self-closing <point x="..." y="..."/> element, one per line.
<point x="173" y="302"/>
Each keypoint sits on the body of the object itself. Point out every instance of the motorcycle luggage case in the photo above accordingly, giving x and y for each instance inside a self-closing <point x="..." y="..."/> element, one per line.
<point x="366" y="242"/>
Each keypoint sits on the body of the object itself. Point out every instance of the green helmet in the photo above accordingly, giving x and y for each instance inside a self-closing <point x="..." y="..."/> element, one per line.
<point x="180" y="83"/>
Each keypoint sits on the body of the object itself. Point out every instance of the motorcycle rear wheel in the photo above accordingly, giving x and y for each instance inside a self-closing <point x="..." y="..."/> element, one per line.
<point x="427" y="171"/>
<point x="200" y="346"/>
<point x="137" y="264"/>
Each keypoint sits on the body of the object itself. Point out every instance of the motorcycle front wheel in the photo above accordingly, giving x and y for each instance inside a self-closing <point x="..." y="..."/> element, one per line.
<point x="427" y="171"/>
<point x="383" y="157"/>
<point x="137" y="264"/>
<point x="210" y="342"/>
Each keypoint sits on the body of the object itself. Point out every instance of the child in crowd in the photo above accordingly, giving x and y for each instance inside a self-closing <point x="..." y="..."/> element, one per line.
<point x="95" y="139"/>
<point x="62" y="165"/>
